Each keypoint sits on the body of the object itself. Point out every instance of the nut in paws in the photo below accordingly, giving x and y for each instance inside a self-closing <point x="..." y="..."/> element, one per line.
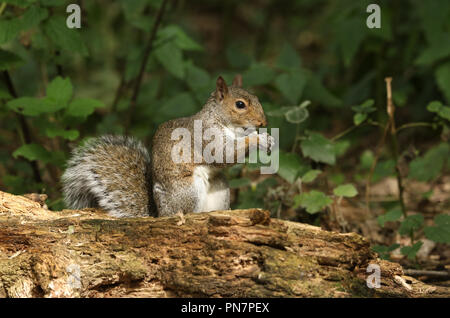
<point x="266" y="142"/>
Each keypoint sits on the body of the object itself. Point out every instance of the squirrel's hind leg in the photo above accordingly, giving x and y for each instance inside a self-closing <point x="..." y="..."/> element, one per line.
<point x="197" y="193"/>
<point x="176" y="197"/>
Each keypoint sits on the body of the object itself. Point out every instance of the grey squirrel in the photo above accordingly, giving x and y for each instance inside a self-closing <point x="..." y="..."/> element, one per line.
<point x="117" y="173"/>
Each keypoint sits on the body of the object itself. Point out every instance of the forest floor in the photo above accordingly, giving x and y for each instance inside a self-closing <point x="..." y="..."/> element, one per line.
<point x="429" y="199"/>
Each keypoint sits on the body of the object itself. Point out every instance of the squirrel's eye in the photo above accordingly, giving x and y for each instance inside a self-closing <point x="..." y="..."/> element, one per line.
<point x="240" y="104"/>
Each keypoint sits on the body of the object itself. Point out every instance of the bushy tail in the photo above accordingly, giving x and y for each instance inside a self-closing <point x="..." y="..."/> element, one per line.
<point x="112" y="173"/>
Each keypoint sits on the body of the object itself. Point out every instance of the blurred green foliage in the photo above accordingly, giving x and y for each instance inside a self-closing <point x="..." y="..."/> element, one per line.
<point x="315" y="66"/>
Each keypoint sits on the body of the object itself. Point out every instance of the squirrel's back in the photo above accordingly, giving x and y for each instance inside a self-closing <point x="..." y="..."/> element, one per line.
<point x="112" y="173"/>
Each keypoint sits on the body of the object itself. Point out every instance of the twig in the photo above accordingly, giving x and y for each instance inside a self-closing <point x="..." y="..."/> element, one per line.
<point x="23" y="125"/>
<point x="390" y="126"/>
<point x="147" y="51"/>
<point x="345" y="132"/>
<point x="390" y="105"/>
<point x="391" y="111"/>
<point x="297" y="133"/>
<point x="419" y="272"/>
<point x="413" y="125"/>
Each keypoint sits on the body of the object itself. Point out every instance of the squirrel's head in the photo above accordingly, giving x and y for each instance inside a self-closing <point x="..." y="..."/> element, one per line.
<point x="241" y="108"/>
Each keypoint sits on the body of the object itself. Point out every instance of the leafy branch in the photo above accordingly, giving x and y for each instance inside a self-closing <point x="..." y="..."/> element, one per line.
<point x="145" y="58"/>
<point x="25" y="129"/>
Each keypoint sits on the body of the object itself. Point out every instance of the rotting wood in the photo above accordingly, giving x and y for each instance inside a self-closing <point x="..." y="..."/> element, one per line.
<point x="240" y="253"/>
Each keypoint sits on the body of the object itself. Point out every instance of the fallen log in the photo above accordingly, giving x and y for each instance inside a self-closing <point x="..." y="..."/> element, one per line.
<point x="240" y="253"/>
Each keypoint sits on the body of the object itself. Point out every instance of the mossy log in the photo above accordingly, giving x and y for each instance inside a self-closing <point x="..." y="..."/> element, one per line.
<point x="240" y="253"/>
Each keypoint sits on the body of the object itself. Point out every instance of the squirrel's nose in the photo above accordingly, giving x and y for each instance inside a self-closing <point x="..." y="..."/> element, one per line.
<point x="262" y="122"/>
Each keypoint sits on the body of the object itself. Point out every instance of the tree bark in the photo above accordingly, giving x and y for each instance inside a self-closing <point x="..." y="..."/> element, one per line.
<point x="240" y="253"/>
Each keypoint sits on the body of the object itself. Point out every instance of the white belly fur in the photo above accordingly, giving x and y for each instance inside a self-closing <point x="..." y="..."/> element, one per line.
<point x="209" y="201"/>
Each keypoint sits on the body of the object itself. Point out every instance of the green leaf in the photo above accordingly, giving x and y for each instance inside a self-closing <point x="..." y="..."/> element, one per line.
<point x="20" y="3"/>
<point x="297" y="115"/>
<point x="82" y="107"/>
<point x="311" y="175"/>
<point x="66" y="39"/>
<point x="341" y="147"/>
<point x="366" y="159"/>
<point x="71" y="134"/>
<point x="9" y="60"/>
<point x="359" y="118"/>
<point x="434" y="106"/>
<point x="290" y="166"/>
<point x="433" y="53"/>
<point x="33" y="152"/>
<point x="315" y="91"/>
<point x="383" y="169"/>
<point x="239" y="183"/>
<point x="411" y="223"/>
<point x="198" y="80"/>
<point x="433" y="17"/>
<point x="305" y="104"/>
<point x="442" y="220"/>
<point x="171" y="57"/>
<point x="443" y="79"/>
<point x="365" y="108"/>
<point x="258" y="74"/>
<point x="134" y="14"/>
<point x="291" y="85"/>
<point x="179" y="37"/>
<point x="179" y="105"/>
<point x="58" y="158"/>
<point x="350" y="35"/>
<point x="438" y="108"/>
<point x="31" y="106"/>
<point x="32" y="17"/>
<point x="411" y="251"/>
<point x="429" y="166"/>
<point x="60" y="90"/>
<point x="313" y="202"/>
<point x="318" y="148"/>
<point x="346" y="190"/>
<point x="9" y="29"/>
<point x="49" y="3"/>
<point x="390" y="216"/>
<point x="288" y="58"/>
<point x="441" y="232"/>
<point x="4" y="94"/>
<point x="439" y="49"/>
<point x="15" y="184"/>
<point x="384" y="251"/>
<point x="196" y="77"/>
<point x="337" y="178"/>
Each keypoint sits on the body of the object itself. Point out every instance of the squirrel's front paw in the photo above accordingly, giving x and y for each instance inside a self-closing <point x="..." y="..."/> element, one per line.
<point x="266" y="142"/>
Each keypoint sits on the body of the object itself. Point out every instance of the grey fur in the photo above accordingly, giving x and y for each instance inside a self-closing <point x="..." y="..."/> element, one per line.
<point x="84" y="186"/>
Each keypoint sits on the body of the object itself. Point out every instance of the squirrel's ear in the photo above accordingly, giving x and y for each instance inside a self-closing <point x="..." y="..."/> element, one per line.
<point x="237" y="81"/>
<point x="221" y="89"/>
